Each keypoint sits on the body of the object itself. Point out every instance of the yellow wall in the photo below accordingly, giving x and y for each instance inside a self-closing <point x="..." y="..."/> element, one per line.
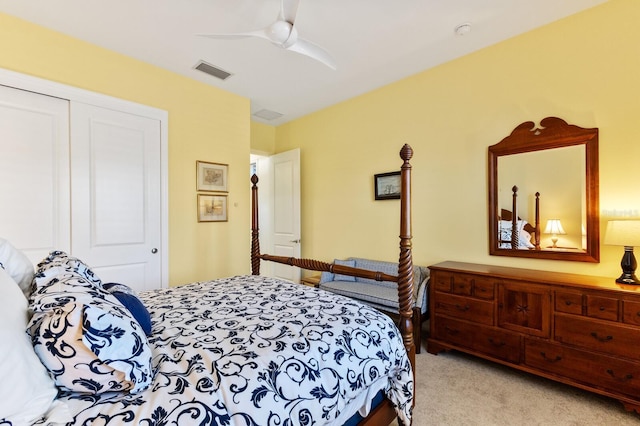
<point x="205" y="123"/>
<point x="263" y="138"/>
<point x="583" y="69"/>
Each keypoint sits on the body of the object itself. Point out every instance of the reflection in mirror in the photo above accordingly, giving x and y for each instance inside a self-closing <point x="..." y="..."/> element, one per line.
<point x="543" y="185"/>
<point x="558" y="175"/>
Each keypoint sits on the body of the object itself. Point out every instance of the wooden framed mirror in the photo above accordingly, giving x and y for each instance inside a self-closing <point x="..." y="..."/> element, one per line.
<point x="543" y="183"/>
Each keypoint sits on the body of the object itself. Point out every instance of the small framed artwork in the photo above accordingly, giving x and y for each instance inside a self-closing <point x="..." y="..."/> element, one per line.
<point x="212" y="208"/>
<point x="387" y="186"/>
<point x="211" y="176"/>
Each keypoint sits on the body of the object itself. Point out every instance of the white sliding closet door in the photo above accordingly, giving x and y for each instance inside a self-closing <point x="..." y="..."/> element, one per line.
<point x="116" y="190"/>
<point x="34" y="172"/>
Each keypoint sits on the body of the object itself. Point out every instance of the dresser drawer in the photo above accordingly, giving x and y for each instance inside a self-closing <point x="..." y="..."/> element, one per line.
<point x="462" y="284"/>
<point x="631" y="312"/>
<point x="568" y="302"/>
<point x="611" y="338"/>
<point x="604" y="308"/>
<point x="489" y="341"/>
<point x="475" y="310"/>
<point x="441" y="281"/>
<point x="483" y="288"/>
<point x="602" y="371"/>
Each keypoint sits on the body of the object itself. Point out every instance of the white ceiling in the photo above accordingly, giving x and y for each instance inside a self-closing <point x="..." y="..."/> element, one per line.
<point x="374" y="42"/>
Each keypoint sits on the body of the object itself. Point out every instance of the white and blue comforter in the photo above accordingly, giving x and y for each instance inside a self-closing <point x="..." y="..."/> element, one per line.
<point x="251" y="350"/>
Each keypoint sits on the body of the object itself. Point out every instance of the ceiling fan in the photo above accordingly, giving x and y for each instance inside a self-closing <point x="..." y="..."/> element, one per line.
<point x="283" y="33"/>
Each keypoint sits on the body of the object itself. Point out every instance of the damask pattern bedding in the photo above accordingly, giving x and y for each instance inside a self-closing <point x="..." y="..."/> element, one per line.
<point x="250" y="350"/>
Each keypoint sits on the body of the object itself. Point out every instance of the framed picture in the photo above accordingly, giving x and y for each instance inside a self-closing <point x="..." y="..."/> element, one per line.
<point x="211" y="176"/>
<point x="212" y="208"/>
<point x="387" y="186"/>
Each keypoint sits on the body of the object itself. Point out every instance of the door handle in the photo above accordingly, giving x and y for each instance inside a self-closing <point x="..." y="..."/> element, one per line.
<point x="295" y="241"/>
<point x="154" y="250"/>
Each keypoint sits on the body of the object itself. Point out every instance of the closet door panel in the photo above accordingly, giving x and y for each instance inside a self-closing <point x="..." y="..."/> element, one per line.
<point x="115" y="164"/>
<point x="117" y="184"/>
<point x="34" y="172"/>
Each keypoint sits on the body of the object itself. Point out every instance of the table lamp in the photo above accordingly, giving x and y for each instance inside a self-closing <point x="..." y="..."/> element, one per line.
<point x="554" y="227"/>
<point x="625" y="233"/>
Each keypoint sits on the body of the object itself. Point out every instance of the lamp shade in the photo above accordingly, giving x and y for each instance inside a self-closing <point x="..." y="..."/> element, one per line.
<point x="623" y="233"/>
<point x="554" y="226"/>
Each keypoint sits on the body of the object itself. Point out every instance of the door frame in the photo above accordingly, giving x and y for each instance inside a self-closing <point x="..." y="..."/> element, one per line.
<point x="63" y="91"/>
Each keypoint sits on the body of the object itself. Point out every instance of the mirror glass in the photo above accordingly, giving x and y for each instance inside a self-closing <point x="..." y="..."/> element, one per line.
<point x="548" y="176"/>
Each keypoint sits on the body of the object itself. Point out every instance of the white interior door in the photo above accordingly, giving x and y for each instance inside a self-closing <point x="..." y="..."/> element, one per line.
<point x="279" y="198"/>
<point x="34" y="172"/>
<point x="115" y="204"/>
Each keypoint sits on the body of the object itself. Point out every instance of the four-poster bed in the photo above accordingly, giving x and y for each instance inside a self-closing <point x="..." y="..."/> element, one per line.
<point x="244" y="350"/>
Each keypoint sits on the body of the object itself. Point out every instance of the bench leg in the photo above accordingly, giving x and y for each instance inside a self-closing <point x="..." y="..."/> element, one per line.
<point x="417" y="328"/>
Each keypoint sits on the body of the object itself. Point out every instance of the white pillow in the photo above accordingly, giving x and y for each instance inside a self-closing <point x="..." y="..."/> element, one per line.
<point x="27" y="393"/>
<point x="17" y="265"/>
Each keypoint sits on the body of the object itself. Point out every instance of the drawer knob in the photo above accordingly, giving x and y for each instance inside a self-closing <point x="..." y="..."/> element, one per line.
<point x="556" y="359"/>
<point x="451" y="330"/>
<point x="620" y="379"/>
<point x="601" y="339"/>
<point x="498" y="344"/>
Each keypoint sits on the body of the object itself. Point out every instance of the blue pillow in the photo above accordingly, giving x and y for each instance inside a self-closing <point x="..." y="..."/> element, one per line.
<point x="351" y="263"/>
<point x="128" y="297"/>
<point x="326" y="277"/>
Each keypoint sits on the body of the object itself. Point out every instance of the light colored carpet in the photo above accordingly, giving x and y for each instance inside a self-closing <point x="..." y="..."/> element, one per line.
<point x="458" y="389"/>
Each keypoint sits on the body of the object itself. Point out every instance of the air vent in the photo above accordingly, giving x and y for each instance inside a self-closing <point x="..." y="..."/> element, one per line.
<point x="211" y="70"/>
<point x="267" y="115"/>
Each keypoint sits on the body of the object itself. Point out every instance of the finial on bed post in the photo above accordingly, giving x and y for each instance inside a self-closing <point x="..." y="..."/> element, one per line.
<point x="405" y="264"/>
<point x="255" y="236"/>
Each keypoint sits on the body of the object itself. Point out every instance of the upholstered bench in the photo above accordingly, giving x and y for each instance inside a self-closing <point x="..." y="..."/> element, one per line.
<point x="382" y="295"/>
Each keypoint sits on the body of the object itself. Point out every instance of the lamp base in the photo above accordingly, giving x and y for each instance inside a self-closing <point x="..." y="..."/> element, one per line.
<point x="628" y="279"/>
<point x="628" y="265"/>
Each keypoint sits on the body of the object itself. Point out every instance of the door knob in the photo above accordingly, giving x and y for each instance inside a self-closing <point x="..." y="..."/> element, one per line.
<point x="154" y="250"/>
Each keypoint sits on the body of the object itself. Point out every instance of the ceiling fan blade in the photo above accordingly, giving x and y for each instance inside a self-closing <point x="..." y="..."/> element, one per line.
<point x="283" y="34"/>
<point x="258" y="33"/>
<point x="289" y="10"/>
<point x="314" y="51"/>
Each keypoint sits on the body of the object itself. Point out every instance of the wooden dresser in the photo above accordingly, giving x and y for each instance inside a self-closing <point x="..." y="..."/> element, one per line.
<point x="576" y="329"/>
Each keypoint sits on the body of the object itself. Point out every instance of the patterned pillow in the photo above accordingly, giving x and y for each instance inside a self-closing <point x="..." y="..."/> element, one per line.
<point x="59" y="262"/>
<point x="87" y="340"/>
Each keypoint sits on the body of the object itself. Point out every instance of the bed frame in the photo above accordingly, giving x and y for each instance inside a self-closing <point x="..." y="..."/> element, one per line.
<point x="532" y="229"/>
<point x="384" y="413"/>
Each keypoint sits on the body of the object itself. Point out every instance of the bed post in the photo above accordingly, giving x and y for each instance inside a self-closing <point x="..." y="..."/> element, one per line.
<point x="515" y="238"/>
<point x="537" y="228"/>
<point x="255" y="238"/>
<point x="405" y="264"/>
